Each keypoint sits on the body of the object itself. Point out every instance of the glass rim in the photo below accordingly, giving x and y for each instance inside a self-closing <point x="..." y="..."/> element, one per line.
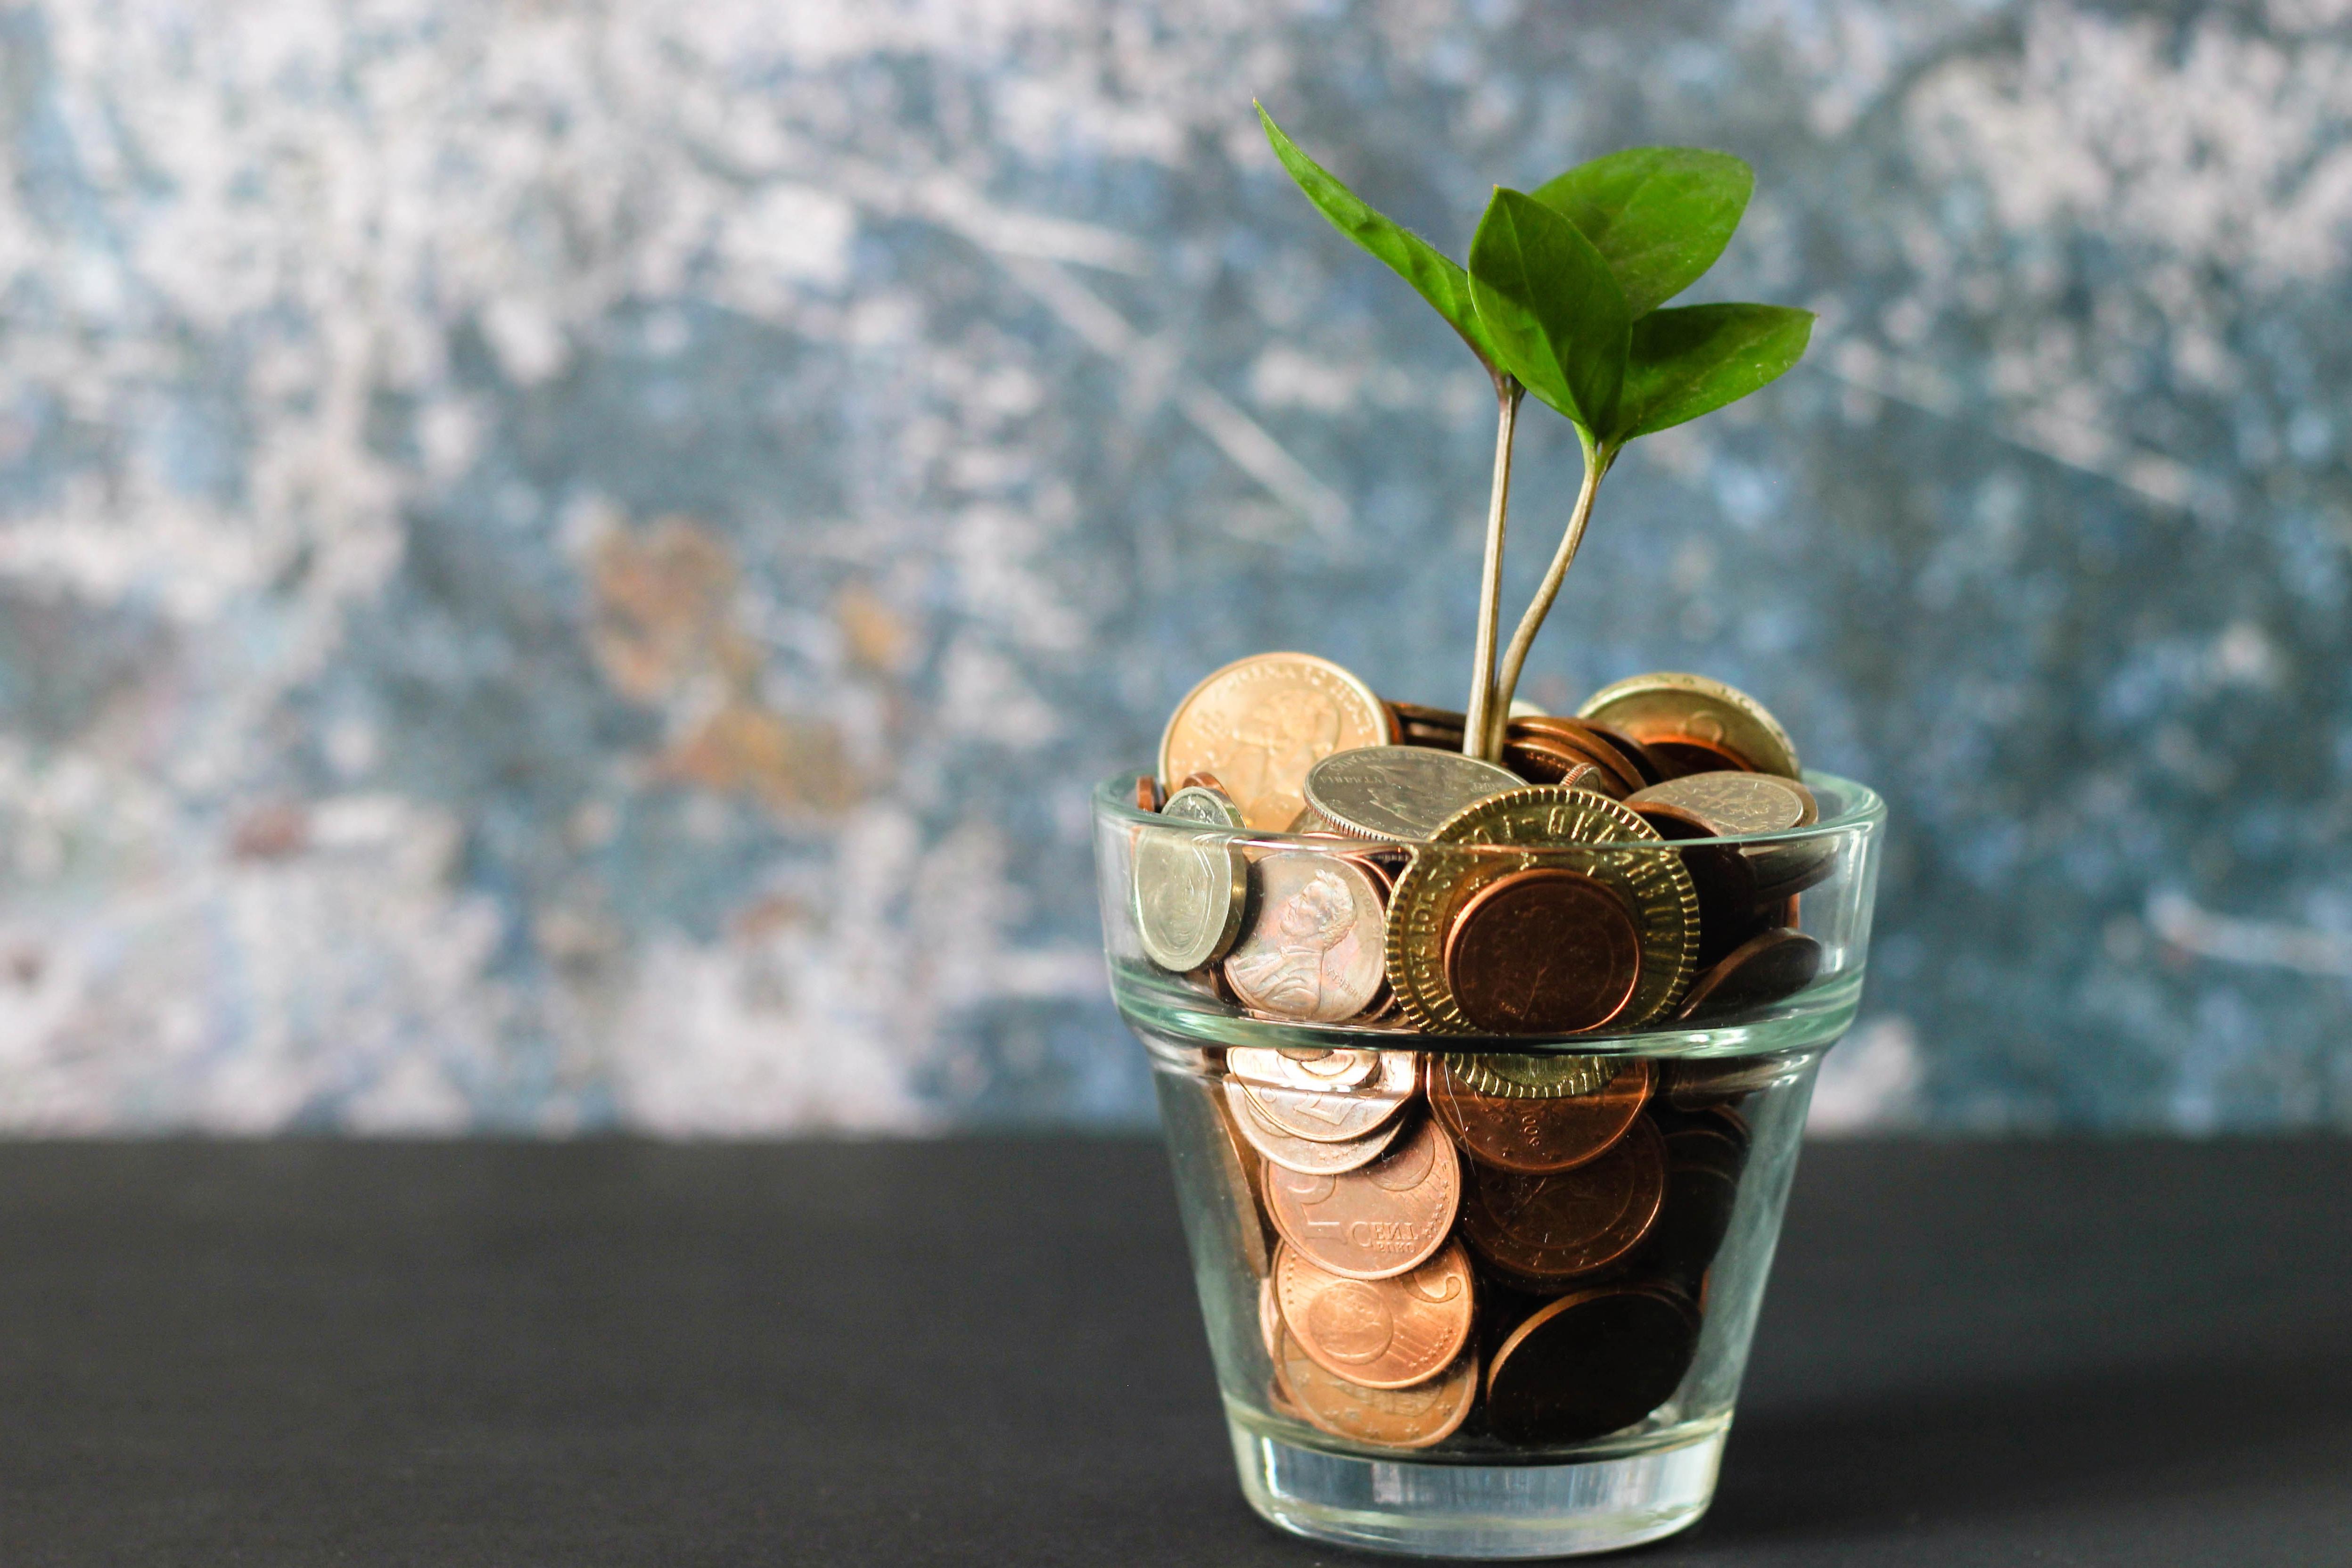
<point x="1862" y="811"/>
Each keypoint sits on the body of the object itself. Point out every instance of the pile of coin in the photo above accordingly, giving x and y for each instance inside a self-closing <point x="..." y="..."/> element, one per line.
<point x="1509" y="1247"/>
<point x="1578" y="886"/>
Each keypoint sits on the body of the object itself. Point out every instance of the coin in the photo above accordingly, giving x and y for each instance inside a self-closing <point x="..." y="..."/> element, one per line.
<point x="1269" y="1321"/>
<point x="1260" y="723"/>
<point x="1209" y="781"/>
<point x="1696" y="1083"/>
<point x="1296" y="1153"/>
<point x="1730" y="804"/>
<point x="1338" y="1116"/>
<point x="1682" y="756"/>
<point x="1543" y="951"/>
<point x="1399" y="792"/>
<point x="1591" y="1364"/>
<point x="1586" y="742"/>
<point x="1412" y="1417"/>
<point x="1314" y="945"/>
<point x="1378" y="1333"/>
<point x="1574" y="829"/>
<point x="1380" y="1219"/>
<point x="1190" y="888"/>
<point x="1757" y="973"/>
<point x="1667" y="707"/>
<point x="1651" y="769"/>
<point x="1722" y="876"/>
<point x="1787" y="869"/>
<point x="1553" y="1227"/>
<point x="1532" y="1077"/>
<point x="1209" y="807"/>
<point x="1239" y="1168"/>
<point x="1295" y="1067"/>
<point x="1541" y="760"/>
<point x="1703" y="1165"/>
<point x="1148" y="793"/>
<point x="1536" y="1137"/>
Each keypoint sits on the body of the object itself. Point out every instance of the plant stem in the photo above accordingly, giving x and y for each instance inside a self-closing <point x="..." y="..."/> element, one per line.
<point x="1597" y="459"/>
<point x="1474" y="719"/>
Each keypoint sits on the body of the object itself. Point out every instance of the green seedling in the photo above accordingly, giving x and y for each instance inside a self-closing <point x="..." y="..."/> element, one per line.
<point x="1565" y="297"/>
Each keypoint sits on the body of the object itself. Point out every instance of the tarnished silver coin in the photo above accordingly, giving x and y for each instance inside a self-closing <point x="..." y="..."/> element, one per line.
<point x="1400" y="792"/>
<point x="1293" y="1067"/>
<point x="1335" y="1116"/>
<point x="1534" y="1077"/>
<point x="1190" y="889"/>
<point x="1293" y="1153"/>
<point x="1735" y="803"/>
<point x="1314" y="947"/>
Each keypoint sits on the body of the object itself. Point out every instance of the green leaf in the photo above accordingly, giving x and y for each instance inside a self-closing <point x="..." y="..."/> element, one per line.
<point x="1550" y="308"/>
<point x="1660" y="215"/>
<point x="1432" y="273"/>
<point x="1693" y="359"/>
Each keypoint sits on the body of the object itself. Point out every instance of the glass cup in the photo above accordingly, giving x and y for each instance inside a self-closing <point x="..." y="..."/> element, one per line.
<point x="1479" y="1294"/>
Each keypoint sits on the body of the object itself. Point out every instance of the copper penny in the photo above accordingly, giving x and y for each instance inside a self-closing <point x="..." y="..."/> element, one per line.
<point x="1314" y="944"/>
<point x="1339" y="1116"/>
<point x="1536" y="1137"/>
<point x="1238" y="1176"/>
<point x="1260" y="723"/>
<point x="1297" y="1153"/>
<point x="1538" y="762"/>
<point x="1652" y="770"/>
<point x="1576" y="735"/>
<point x="1412" y="1417"/>
<point x="1203" y="781"/>
<point x="1683" y="756"/>
<point x="1148" y="793"/>
<point x="1757" y="973"/>
<point x="1591" y="1364"/>
<point x="1544" y="951"/>
<point x="1378" y="1333"/>
<point x="1554" y="1227"/>
<point x="1378" y="1220"/>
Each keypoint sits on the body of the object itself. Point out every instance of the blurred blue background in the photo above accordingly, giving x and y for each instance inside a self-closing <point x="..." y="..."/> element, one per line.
<point x="572" y="566"/>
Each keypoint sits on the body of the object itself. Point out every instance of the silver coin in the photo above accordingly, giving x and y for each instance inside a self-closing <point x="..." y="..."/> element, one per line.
<point x="1190" y="889"/>
<point x="1305" y="1155"/>
<point x="1400" y="792"/>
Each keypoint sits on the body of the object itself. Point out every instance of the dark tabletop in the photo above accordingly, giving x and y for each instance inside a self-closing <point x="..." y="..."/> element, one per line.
<point x="986" y="1352"/>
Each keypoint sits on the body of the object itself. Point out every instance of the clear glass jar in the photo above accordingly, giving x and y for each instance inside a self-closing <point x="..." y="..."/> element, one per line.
<point x="1585" y="1222"/>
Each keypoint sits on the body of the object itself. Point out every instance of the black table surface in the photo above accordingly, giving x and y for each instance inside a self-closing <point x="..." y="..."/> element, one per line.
<point x="614" y="1353"/>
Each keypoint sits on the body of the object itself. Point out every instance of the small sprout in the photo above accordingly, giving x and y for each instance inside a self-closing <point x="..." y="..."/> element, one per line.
<point x="1564" y="296"/>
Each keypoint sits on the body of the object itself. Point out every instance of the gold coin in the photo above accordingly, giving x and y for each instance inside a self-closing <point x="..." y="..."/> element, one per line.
<point x="1573" y="829"/>
<point x="1535" y="1077"/>
<point x="1260" y="723"/>
<point x="1668" y="705"/>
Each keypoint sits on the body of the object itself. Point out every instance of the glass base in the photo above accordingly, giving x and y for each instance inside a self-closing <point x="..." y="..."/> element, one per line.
<point x="1436" y="1509"/>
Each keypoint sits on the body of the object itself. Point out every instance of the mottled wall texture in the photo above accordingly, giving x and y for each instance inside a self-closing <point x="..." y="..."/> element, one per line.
<point x="571" y="566"/>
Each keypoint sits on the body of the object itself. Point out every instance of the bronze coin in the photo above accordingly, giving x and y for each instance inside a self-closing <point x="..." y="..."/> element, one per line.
<point x="1412" y="1417"/>
<point x="1700" y="1084"/>
<point x="1757" y="973"/>
<point x="1378" y="1333"/>
<point x="1652" y="770"/>
<point x="1684" y="755"/>
<point x="1431" y="717"/>
<point x="1537" y="1137"/>
<point x="1554" y="1227"/>
<point x="1539" y="762"/>
<point x="1297" y="1153"/>
<point x="1149" y="796"/>
<point x="1339" y="1116"/>
<point x="1238" y="1178"/>
<point x="1203" y="781"/>
<point x="1591" y="1364"/>
<point x="1723" y="877"/>
<point x="1702" y="1192"/>
<point x="1313" y="944"/>
<point x="1583" y="738"/>
<point x="1545" y="951"/>
<point x="1378" y="1220"/>
<point x="1668" y="707"/>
